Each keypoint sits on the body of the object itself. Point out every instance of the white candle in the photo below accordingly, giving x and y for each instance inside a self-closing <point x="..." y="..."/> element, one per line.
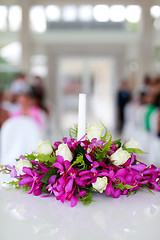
<point x="81" y="116"/>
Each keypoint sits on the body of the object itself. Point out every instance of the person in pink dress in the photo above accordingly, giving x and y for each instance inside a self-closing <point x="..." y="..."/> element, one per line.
<point x="26" y="108"/>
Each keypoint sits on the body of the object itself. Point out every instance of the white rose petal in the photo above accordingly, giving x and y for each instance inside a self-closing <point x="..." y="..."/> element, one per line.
<point x="100" y="184"/>
<point x="44" y="148"/>
<point x="120" y="157"/>
<point x="132" y="144"/>
<point x="94" y="131"/>
<point x="64" y="151"/>
<point x="20" y="164"/>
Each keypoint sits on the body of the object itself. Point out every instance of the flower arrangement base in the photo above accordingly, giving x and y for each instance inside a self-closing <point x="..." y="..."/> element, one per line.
<point x="72" y="169"/>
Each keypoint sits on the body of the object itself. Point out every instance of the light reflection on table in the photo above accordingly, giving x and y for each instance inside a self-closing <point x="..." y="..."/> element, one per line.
<point x="25" y="216"/>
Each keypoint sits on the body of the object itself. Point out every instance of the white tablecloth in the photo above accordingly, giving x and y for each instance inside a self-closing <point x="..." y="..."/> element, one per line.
<point x="27" y="217"/>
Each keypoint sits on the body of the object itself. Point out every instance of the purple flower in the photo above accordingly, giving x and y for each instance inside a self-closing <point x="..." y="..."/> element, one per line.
<point x="32" y="178"/>
<point x="13" y="172"/>
<point x="65" y="186"/>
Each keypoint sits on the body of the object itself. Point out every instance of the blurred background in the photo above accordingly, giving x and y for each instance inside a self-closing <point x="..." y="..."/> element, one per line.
<point x="52" y="50"/>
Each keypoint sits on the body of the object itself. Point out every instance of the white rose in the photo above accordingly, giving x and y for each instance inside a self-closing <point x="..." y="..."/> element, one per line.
<point x="100" y="184"/>
<point x="20" y="164"/>
<point x="44" y="148"/>
<point x="64" y="151"/>
<point x="132" y="144"/>
<point x="120" y="157"/>
<point x="94" y="131"/>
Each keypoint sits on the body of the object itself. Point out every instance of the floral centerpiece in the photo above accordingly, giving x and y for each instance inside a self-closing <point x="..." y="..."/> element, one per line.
<point x="73" y="169"/>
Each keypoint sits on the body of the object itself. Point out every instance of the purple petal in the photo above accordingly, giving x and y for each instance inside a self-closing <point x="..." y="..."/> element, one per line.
<point x="67" y="165"/>
<point x="95" y="164"/>
<point x="27" y="171"/>
<point x="125" y="192"/>
<point x="37" y="191"/>
<point x="132" y="159"/>
<point x="145" y="182"/>
<point x="81" y="194"/>
<point x="129" y="177"/>
<point x="148" y="171"/>
<point x="80" y="182"/>
<point x="9" y="167"/>
<point x="73" y="201"/>
<point x="103" y="174"/>
<point x="69" y="186"/>
<point x="58" y="165"/>
<point x="111" y="174"/>
<point x="85" y="177"/>
<point x="82" y="173"/>
<point x="60" y="159"/>
<point x="156" y="186"/>
<point x="25" y="181"/>
<point x="13" y="173"/>
<point x="48" y="195"/>
<point x="63" y="197"/>
<point x="121" y="172"/>
<point x="52" y="179"/>
<point x="62" y="180"/>
<point x="117" y="193"/>
<point x="139" y="167"/>
<point x="88" y="157"/>
<point x="64" y="139"/>
<point x="33" y="187"/>
<point x="109" y="188"/>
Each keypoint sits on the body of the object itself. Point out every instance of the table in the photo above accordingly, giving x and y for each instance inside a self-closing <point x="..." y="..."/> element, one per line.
<point x="27" y="217"/>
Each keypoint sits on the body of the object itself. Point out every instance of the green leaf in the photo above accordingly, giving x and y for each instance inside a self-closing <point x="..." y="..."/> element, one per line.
<point x="30" y="156"/>
<point x="122" y="186"/>
<point x="44" y="188"/>
<point x="150" y="191"/>
<point x="101" y="153"/>
<point x="87" y="199"/>
<point x="73" y="131"/>
<point x="134" y="150"/>
<point x="80" y="150"/>
<point x="15" y="185"/>
<point x="51" y="172"/>
<point x="106" y="136"/>
<point x="131" y="193"/>
<point x="48" y="160"/>
<point x="118" y="141"/>
<point x="80" y="162"/>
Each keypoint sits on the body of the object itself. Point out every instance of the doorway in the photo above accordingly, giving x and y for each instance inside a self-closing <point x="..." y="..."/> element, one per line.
<point x="93" y="76"/>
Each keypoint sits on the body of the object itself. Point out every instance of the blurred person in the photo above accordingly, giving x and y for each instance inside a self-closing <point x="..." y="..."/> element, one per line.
<point x="19" y="84"/>
<point x="4" y="114"/>
<point x="28" y="109"/>
<point x="156" y="87"/>
<point x="158" y="134"/>
<point x="9" y="102"/>
<point x="38" y="93"/>
<point x="151" y="108"/>
<point x="123" y="98"/>
<point x="147" y="84"/>
<point x="157" y="103"/>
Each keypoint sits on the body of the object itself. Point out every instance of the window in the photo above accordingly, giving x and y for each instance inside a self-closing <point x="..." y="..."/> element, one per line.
<point x="15" y="18"/>
<point x="101" y="13"/>
<point x="133" y="13"/>
<point x="3" y="21"/>
<point x="38" y="19"/>
<point x="69" y="13"/>
<point x="53" y="13"/>
<point x="85" y="13"/>
<point x="155" y="11"/>
<point x="117" y="13"/>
